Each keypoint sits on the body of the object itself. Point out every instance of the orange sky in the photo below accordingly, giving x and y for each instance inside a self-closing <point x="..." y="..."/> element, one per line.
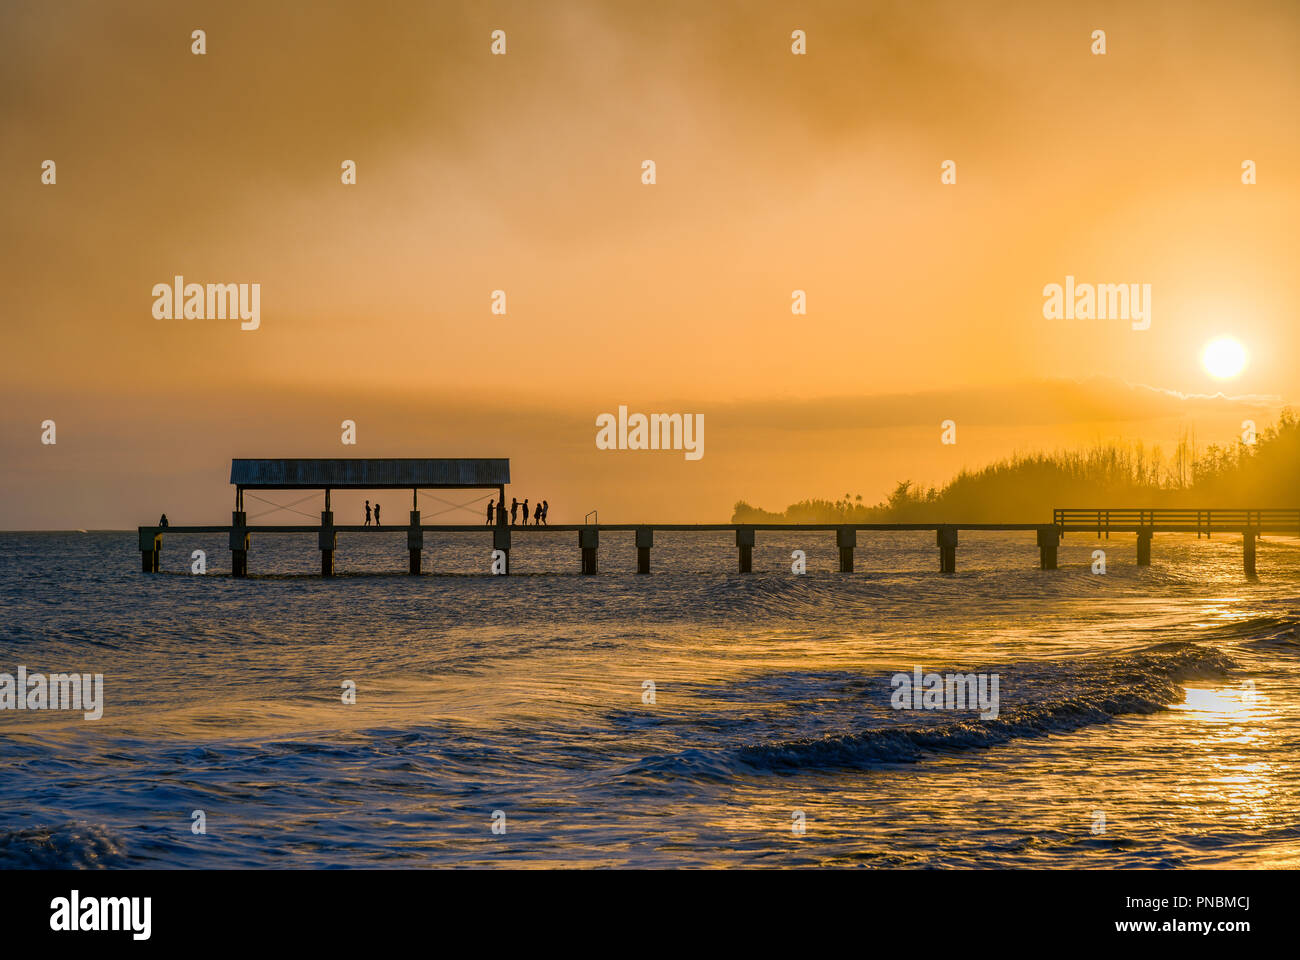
<point x="523" y="173"/>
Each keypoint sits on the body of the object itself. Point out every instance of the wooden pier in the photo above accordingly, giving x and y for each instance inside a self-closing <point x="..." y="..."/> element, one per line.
<point x="493" y="475"/>
<point x="946" y="537"/>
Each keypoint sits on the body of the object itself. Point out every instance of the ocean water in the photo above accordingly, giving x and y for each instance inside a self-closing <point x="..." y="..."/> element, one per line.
<point x="1148" y="717"/>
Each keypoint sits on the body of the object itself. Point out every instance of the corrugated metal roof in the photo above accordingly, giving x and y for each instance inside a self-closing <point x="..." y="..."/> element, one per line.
<point x="370" y="474"/>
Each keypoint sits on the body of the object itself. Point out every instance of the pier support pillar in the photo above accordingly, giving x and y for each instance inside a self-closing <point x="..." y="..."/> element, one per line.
<point x="745" y="541"/>
<point x="1248" y="549"/>
<point x="846" y="538"/>
<point x="501" y="541"/>
<point x="946" y="538"/>
<point x="1144" y="548"/>
<point x="645" y="539"/>
<point x="150" y="548"/>
<point x="327" y="540"/>
<point x="238" y="544"/>
<point x="1049" y="539"/>
<point x="589" y="541"/>
<point x="415" y="542"/>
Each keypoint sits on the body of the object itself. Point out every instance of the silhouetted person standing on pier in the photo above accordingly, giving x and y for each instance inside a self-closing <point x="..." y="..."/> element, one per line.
<point x="537" y="516"/>
<point x="546" y="508"/>
<point x="514" y="509"/>
<point x="367" y="513"/>
<point x="501" y="510"/>
<point x="491" y="507"/>
<point x="376" y="513"/>
<point x="525" y="511"/>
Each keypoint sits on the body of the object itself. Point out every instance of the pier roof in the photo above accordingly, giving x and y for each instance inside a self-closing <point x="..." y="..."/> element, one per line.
<point x="369" y="474"/>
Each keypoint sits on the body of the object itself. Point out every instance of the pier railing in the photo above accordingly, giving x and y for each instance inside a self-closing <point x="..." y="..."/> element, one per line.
<point x="1201" y="522"/>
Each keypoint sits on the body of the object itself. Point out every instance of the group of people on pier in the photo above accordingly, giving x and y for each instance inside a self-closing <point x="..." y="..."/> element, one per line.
<point x="496" y="512"/>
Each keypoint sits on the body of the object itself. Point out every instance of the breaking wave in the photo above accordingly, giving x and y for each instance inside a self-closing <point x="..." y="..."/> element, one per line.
<point x="1064" y="697"/>
<point x="68" y="846"/>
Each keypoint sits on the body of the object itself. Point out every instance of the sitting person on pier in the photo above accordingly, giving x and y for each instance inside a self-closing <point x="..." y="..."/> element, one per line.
<point x="162" y="521"/>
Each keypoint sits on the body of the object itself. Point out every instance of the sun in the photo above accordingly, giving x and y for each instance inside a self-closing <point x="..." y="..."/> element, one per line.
<point x="1223" y="358"/>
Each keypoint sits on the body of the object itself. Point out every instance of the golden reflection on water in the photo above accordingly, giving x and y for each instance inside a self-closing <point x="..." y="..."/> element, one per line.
<point x="1234" y="716"/>
<point x="1223" y="704"/>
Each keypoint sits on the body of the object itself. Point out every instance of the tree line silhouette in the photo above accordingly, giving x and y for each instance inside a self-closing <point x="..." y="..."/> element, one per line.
<point x="1028" y="486"/>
